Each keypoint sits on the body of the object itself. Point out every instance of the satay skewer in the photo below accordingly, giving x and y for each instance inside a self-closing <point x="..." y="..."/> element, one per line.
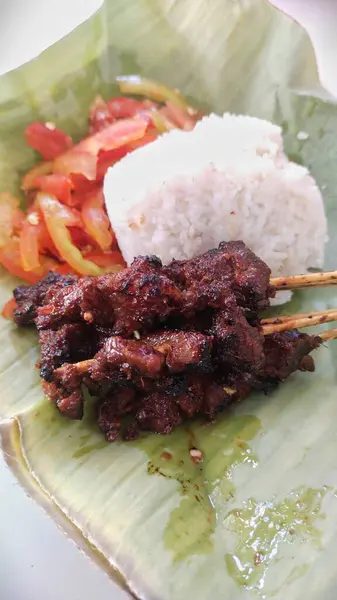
<point x="276" y="325"/>
<point x="331" y="334"/>
<point x="299" y="321"/>
<point x="304" y="281"/>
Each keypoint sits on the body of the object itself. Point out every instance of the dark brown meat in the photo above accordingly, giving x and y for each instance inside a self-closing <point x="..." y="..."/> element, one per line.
<point x="200" y="348"/>
<point x="112" y="411"/>
<point x="238" y="346"/>
<point x="146" y="294"/>
<point x="124" y="359"/>
<point x="230" y="269"/>
<point x="286" y="353"/>
<point x="184" y="351"/>
<point x="158" y="413"/>
<point x="133" y="299"/>
<point x="71" y="343"/>
<point x="68" y="398"/>
<point x="30" y="297"/>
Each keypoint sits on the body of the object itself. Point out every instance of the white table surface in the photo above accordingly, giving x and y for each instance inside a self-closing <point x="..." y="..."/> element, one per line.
<point x="37" y="562"/>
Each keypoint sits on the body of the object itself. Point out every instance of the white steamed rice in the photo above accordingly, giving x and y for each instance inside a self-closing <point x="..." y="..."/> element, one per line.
<point x="228" y="179"/>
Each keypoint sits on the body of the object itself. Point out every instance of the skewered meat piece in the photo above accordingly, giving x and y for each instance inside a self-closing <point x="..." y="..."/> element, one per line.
<point x="146" y="294"/>
<point x="184" y="351"/>
<point x="112" y="411"/>
<point x="68" y="398"/>
<point x="230" y="267"/>
<point x="200" y="344"/>
<point x="158" y="412"/>
<point x="30" y="297"/>
<point x="208" y="395"/>
<point x="73" y="342"/>
<point x="286" y="353"/>
<point x="238" y="345"/>
<point x="122" y="362"/>
<point x="133" y="299"/>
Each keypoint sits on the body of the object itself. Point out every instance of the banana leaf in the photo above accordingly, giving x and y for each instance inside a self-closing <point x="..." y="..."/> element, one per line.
<point x="255" y="518"/>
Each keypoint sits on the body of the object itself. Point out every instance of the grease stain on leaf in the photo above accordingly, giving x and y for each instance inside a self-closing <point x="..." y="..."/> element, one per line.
<point x="206" y="487"/>
<point x="262" y="527"/>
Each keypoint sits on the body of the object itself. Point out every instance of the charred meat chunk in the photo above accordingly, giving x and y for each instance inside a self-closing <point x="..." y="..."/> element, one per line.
<point x="71" y="343"/>
<point x="184" y="351"/>
<point x="132" y="300"/>
<point x="30" y="297"/>
<point x="238" y="345"/>
<point x="158" y="413"/>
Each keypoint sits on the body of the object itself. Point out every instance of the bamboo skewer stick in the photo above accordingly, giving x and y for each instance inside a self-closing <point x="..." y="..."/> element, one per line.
<point x="331" y="334"/>
<point x="308" y="315"/>
<point x="299" y="323"/>
<point x="304" y="281"/>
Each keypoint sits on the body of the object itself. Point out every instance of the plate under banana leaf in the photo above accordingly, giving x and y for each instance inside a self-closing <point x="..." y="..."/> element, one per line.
<point x="257" y="517"/>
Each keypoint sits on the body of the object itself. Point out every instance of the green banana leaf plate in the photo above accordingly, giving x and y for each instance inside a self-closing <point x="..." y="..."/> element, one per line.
<point x="258" y="517"/>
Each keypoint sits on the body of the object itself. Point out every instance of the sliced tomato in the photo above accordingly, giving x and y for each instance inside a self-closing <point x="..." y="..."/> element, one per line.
<point x="76" y="162"/>
<point x="28" y="180"/>
<point x="108" y="158"/>
<point x="29" y="247"/>
<point x="9" y="205"/>
<point x="53" y="213"/>
<point x="46" y="244"/>
<point x="146" y="139"/>
<point x="180" y="116"/>
<point x="10" y="259"/>
<point x="125" y="108"/>
<point x="119" y="133"/>
<point x="57" y="185"/>
<point x="47" y="139"/>
<point x="82" y="158"/>
<point x="81" y="238"/>
<point x="70" y="217"/>
<point x="99" y="115"/>
<point x="109" y="261"/>
<point x="96" y="221"/>
<point x="9" y="308"/>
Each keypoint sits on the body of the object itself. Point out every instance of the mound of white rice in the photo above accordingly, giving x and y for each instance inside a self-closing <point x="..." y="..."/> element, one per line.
<point x="228" y="179"/>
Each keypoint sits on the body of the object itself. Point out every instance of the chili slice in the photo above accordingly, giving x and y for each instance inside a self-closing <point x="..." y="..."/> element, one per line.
<point x="96" y="221"/>
<point x="53" y="213"/>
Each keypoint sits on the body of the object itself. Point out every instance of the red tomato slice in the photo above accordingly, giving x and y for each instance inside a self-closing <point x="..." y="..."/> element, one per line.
<point x="47" y="139"/>
<point x="180" y="117"/>
<point x="80" y="238"/>
<point x="108" y="158"/>
<point x="82" y="158"/>
<point x="10" y="259"/>
<point x="118" y="134"/>
<point x="9" y="308"/>
<point x="57" y="185"/>
<point x="76" y="161"/>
